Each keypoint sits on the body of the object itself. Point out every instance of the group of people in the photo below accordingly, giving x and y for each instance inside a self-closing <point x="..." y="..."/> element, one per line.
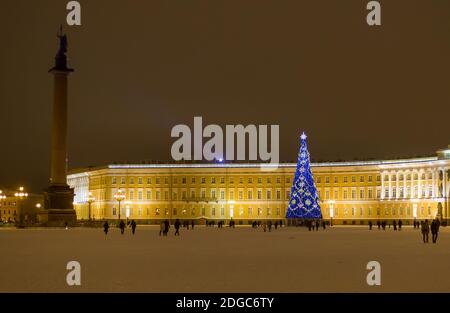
<point x="266" y="225"/>
<point x="121" y="226"/>
<point x="382" y="225"/>
<point x="425" y="227"/>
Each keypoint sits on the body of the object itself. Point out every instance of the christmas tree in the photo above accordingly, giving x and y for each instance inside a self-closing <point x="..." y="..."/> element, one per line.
<point x="304" y="202"/>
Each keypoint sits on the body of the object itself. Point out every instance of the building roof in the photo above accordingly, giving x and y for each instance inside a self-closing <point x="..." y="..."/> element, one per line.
<point x="257" y="165"/>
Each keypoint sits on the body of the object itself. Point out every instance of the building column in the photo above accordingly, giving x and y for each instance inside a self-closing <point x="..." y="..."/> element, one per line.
<point x="436" y="183"/>
<point x="390" y="185"/>
<point x="397" y="186"/>
<point x="419" y="182"/>
<point x="404" y="184"/>
<point x="433" y="183"/>
<point x="382" y="185"/>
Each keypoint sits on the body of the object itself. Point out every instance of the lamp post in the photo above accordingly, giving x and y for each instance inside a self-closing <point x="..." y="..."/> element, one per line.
<point x="90" y="199"/>
<point x="119" y="196"/>
<point x="20" y="195"/>
<point x="331" y="203"/>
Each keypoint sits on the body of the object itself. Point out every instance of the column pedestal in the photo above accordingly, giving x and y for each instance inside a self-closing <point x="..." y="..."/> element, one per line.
<point x="58" y="205"/>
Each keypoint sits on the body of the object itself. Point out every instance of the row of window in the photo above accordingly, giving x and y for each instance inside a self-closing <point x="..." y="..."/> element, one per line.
<point x="212" y="195"/>
<point x="268" y="180"/>
<point x="408" y="177"/>
<point x="184" y="180"/>
<point x="353" y="194"/>
<point x="202" y="211"/>
<point x="362" y="179"/>
<point x="8" y="203"/>
<point x="345" y="194"/>
<point x="387" y="211"/>
<point x="425" y="192"/>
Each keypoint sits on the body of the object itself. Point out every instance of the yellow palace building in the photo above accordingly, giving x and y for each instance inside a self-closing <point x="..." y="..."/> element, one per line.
<point x="349" y="192"/>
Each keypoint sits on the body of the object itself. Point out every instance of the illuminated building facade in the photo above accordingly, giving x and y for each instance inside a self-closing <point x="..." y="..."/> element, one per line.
<point x="350" y="192"/>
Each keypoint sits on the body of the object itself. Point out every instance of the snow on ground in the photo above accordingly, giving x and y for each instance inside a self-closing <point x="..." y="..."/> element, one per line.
<point x="224" y="260"/>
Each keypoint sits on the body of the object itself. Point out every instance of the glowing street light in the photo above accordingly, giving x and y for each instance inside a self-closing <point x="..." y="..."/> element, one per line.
<point x="90" y="199"/>
<point x="119" y="196"/>
<point x="20" y="194"/>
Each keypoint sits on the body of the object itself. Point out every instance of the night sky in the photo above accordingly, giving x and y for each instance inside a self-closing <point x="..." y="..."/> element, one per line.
<point x="142" y="67"/>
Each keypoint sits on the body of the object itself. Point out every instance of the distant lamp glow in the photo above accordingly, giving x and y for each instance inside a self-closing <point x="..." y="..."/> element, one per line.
<point x="20" y="195"/>
<point x="38" y="205"/>
<point x="119" y="196"/>
<point x="303" y="136"/>
<point x="220" y="160"/>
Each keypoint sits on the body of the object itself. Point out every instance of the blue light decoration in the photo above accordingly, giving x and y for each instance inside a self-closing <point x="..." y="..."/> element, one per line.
<point x="304" y="202"/>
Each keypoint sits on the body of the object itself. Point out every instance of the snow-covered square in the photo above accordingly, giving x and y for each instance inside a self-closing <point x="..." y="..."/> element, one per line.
<point x="208" y="259"/>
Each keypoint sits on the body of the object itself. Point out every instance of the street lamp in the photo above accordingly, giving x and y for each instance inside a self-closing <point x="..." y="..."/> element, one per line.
<point x="331" y="203"/>
<point x="20" y="195"/>
<point x="119" y="196"/>
<point x="90" y="199"/>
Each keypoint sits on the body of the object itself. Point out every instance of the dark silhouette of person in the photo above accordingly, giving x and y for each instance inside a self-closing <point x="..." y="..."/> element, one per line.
<point x="192" y="224"/>
<point x="177" y="227"/>
<point x="276" y="224"/>
<point x="324" y="225"/>
<point x="317" y="225"/>
<point x="400" y="223"/>
<point x="122" y="227"/>
<point x="133" y="227"/>
<point x="425" y="230"/>
<point x="435" y="230"/>
<point x="166" y="227"/>
<point x="309" y="225"/>
<point x="106" y="228"/>
<point x="370" y="225"/>
<point x="378" y="224"/>
<point x="395" y="224"/>
<point x="270" y="226"/>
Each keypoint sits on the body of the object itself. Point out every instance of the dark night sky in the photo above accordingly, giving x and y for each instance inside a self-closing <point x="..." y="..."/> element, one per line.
<point x="142" y="67"/>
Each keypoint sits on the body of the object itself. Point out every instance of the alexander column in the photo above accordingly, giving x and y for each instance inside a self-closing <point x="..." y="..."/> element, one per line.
<point x="58" y="197"/>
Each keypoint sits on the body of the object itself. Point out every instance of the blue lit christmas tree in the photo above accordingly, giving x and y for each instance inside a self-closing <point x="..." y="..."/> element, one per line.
<point x="304" y="202"/>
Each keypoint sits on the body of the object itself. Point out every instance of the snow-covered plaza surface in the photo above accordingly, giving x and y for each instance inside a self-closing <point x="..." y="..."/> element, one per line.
<point x="224" y="260"/>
